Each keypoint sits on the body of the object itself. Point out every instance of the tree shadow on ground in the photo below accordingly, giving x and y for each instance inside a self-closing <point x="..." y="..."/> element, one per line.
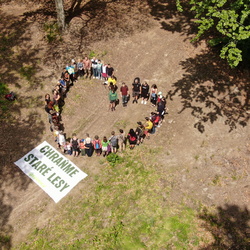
<point x="165" y="11"/>
<point x="208" y="88"/>
<point x="211" y="90"/>
<point x="18" y="58"/>
<point x="105" y="19"/>
<point x="17" y="139"/>
<point x="229" y="227"/>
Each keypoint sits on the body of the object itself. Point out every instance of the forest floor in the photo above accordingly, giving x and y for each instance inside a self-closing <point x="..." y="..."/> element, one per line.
<point x="198" y="159"/>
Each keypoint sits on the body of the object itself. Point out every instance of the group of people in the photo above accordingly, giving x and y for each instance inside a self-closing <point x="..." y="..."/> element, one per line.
<point x="88" y="68"/>
<point x="139" y="90"/>
<point x="83" y="68"/>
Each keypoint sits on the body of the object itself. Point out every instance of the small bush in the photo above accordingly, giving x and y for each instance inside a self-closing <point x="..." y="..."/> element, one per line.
<point x="92" y="54"/>
<point x="114" y="159"/>
<point x="52" y="32"/>
<point x="4" y="238"/>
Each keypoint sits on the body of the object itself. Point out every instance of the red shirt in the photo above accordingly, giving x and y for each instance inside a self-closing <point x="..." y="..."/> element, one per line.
<point x="124" y="90"/>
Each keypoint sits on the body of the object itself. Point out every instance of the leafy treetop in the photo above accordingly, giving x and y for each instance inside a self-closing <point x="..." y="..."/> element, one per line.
<point x="231" y="21"/>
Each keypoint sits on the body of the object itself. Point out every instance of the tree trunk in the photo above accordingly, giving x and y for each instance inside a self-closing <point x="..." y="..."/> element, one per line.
<point x="60" y="14"/>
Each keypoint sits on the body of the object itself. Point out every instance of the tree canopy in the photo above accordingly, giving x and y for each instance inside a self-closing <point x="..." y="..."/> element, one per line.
<point x="226" y="23"/>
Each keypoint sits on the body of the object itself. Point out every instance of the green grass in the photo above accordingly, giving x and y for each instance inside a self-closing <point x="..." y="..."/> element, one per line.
<point x="98" y="55"/>
<point x="92" y="54"/>
<point x="122" y="209"/>
<point x="4" y="239"/>
<point x="122" y="124"/>
<point x="196" y="157"/>
<point x="52" y="32"/>
<point x="216" y="180"/>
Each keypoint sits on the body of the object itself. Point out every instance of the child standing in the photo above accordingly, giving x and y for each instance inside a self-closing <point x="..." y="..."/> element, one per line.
<point x="75" y="145"/>
<point x="88" y="146"/>
<point x="105" y="146"/>
<point x="114" y="142"/>
<point x="82" y="147"/>
<point x="112" y="99"/>
<point x="121" y="140"/>
<point x="132" y="137"/>
<point x="67" y="148"/>
<point x="61" y="140"/>
<point x="97" y="145"/>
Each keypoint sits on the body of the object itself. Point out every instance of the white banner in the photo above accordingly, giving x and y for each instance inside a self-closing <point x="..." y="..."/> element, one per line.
<point x="50" y="170"/>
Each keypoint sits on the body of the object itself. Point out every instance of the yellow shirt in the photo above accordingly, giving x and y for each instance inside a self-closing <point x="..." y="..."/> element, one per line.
<point x="149" y="125"/>
<point x="113" y="80"/>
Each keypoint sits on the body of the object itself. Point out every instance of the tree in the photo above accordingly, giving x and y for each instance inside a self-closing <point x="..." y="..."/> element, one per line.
<point x="60" y="14"/>
<point x="227" y="22"/>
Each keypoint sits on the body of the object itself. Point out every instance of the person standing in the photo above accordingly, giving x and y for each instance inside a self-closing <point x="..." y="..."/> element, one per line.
<point x="122" y="140"/>
<point x="136" y="87"/>
<point x="71" y="70"/>
<point x="140" y="133"/>
<point x="82" y="147"/>
<point x="124" y="94"/>
<point x="105" y="146"/>
<point x="132" y="138"/>
<point x="56" y="101"/>
<point x="153" y="95"/>
<point x="66" y="77"/>
<point x="114" y="142"/>
<point x="144" y="92"/>
<point x="148" y="127"/>
<point x="80" y="71"/>
<point x="61" y="140"/>
<point x="75" y="145"/>
<point x="48" y="107"/>
<point x="112" y="99"/>
<point x="104" y="71"/>
<point x="88" y="145"/>
<point x="109" y="70"/>
<point x="112" y="81"/>
<point x="94" y="62"/>
<point x="87" y="67"/>
<point x="161" y="109"/>
<point x="97" y="145"/>
<point x="99" y="69"/>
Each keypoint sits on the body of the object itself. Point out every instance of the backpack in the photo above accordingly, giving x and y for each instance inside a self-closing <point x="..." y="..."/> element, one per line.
<point x="11" y="96"/>
<point x="132" y="138"/>
<point x="157" y="119"/>
<point x="62" y="82"/>
<point x="113" y="141"/>
<point x="152" y="131"/>
<point x="97" y="144"/>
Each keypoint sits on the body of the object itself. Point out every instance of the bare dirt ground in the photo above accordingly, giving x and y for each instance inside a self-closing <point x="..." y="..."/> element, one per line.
<point x="204" y="144"/>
